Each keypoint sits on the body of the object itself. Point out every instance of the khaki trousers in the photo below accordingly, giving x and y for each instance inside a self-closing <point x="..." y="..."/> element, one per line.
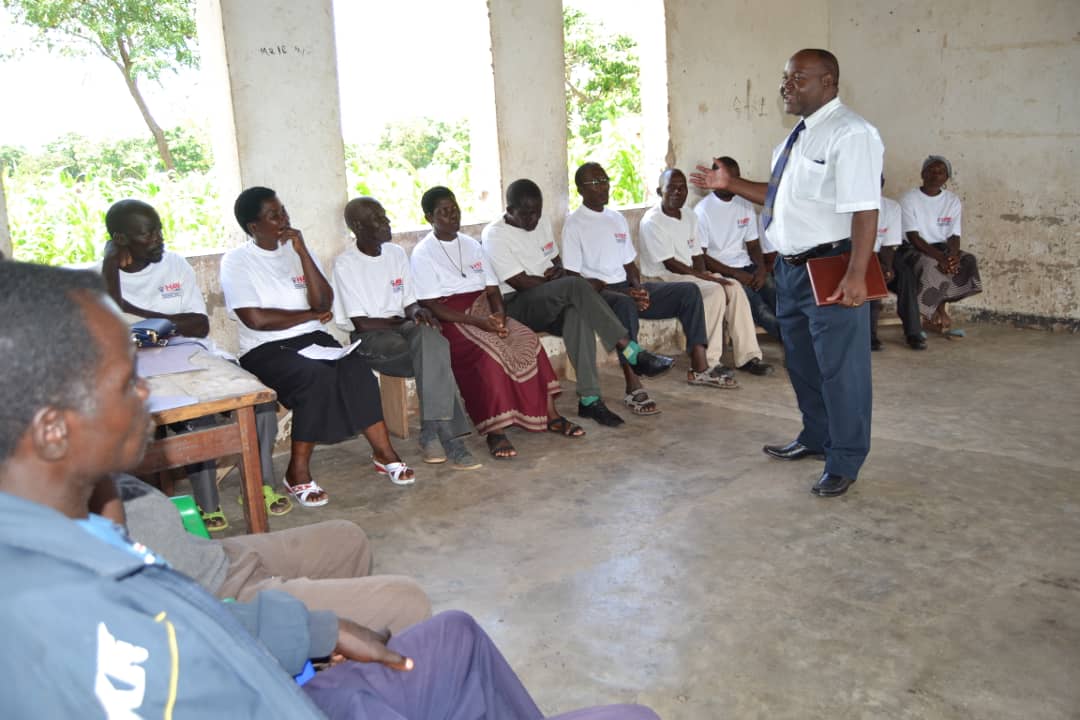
<point x="725" y="305"/>
<point x="327" y="566"/>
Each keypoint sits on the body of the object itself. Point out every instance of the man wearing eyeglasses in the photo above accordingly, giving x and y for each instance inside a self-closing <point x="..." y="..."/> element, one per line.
<point x="597" y="246"/>
<point x="821" y="200"/>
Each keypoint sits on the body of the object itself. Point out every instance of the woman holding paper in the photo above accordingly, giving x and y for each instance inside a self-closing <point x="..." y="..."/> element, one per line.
<point x="278" y="292"/>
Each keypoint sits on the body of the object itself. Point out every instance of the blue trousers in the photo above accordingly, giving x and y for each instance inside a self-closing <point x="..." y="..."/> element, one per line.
<point x="763" y="303"/>
<point x="828" y="360"/>
<point x="680" y="300"/>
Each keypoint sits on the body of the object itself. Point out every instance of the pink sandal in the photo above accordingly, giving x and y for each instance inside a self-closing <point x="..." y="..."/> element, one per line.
<point x="396" y="471"/>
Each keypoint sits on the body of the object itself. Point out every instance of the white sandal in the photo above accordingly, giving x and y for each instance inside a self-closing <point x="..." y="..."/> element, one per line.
<point x="639" y="403"/>
<point x="301" y="493"/>
<point x="395" y="471"/>
<point x="723" y="382"/>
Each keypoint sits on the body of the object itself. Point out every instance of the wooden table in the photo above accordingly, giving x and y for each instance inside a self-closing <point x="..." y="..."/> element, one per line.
<point x="219" y="386"/>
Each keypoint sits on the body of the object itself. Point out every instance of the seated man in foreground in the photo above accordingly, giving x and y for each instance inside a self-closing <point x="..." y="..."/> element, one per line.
<point x="537" y="292"/>
<point x="147" y="641"/>
<point x="375" y="300"/>
<point x="670" y="251"/>
<point x="325" y="565"/>
<point x="597" y="246"/>
<point x="147" y="280"/>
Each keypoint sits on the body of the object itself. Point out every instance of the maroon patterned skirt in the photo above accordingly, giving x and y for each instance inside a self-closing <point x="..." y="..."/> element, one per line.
<point x="504" y="381"/>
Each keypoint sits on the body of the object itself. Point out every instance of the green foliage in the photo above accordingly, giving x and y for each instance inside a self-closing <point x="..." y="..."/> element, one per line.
<point x="57" y="199"/>
<point x="409" y="158"/>
<point x="146" y="37"/>
<point x="603" y="105"/>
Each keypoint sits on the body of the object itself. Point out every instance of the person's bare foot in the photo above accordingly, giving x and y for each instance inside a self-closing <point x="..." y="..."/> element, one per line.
<point x="500" y="446"/>
<point x="296" y="477"/>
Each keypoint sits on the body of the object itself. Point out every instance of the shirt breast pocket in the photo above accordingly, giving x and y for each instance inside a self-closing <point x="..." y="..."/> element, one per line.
<point x="811" y="179"/>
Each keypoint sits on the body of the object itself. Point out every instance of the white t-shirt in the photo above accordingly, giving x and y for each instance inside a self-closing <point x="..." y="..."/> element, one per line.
<point x="373" y="287"/>
<point x="724" y="228"/>
<point x="667" y="238"/>
<point x="597" y="244"/>
<point x="257" y="278"/>
<point x="441" y="269"/>
<point x="834" y="170"/>
<point x="888" y="232"/>
<point x="510" y="250"/>
<point x="934" y="218"/>
<point x="168" y="287"/>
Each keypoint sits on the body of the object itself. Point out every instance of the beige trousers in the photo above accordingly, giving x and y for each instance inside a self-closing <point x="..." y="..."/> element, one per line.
<point x="725" y="305"/>
<point x="327" y="566"/>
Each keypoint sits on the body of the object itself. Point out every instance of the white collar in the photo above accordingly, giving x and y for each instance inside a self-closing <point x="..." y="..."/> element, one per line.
<point x="822" y="113"/>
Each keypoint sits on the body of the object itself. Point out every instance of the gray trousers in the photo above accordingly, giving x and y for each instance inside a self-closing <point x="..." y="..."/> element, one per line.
<point x="569" y="307"/>
<point x="203" y="476"/>
<point x="420" y="352"/>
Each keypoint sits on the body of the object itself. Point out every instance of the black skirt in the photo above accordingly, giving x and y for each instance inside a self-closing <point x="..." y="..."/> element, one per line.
<point x="331" y="401"/>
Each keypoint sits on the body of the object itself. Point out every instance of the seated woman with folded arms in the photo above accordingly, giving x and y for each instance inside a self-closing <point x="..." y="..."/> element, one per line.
<point x="276" y="289"/>
<point x="931" y="263"/>
<point x="503" y="373"/>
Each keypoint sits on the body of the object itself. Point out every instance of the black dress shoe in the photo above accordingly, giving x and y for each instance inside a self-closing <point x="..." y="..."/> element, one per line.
<point x="831" y="485"/>
<point x="599" y="412"/>
<point x="875" y="344"/>
<point x="756" y="367"/>
<point x="650" y="364"/>
<point x="916" y="342"/>
<point x="794" y="450"/>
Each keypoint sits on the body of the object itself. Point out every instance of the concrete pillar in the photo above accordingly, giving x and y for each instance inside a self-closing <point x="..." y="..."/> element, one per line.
<point x="5" y="233"/>
<point x="725" y="58"/>
<point x="530" y="101"/>
<point x="271" y="68"/>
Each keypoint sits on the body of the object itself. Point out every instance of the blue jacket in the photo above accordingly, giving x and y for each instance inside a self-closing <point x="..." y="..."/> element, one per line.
<point x="91" y="631"/>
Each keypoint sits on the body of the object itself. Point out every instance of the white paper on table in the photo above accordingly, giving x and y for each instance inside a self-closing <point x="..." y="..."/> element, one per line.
<point x="320" y="352"/>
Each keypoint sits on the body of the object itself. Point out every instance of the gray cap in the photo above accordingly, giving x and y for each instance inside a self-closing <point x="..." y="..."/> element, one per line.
<point x="940" y="159"/>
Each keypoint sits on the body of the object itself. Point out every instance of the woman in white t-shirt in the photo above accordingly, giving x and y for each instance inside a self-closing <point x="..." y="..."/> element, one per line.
<point x="931" y="225"/>
<point x="501" y="368"/>
<point x="276" y="290"/>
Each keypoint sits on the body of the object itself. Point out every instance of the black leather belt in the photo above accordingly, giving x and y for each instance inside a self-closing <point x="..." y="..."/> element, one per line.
<point x="813" y="252"/>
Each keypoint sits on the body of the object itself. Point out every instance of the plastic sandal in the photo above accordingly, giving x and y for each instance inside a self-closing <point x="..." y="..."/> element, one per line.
<point x="723" y="382"/>
<point x="301" y="493"/>
<point x="214" y="521"/>
<point x="640" y="403"/>
<point x="395" y="471"/>
<point x="270" y="498"/>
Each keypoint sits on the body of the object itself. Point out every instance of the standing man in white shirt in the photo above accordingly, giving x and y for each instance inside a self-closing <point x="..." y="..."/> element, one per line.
<point x="670" y="251"/>
<point x="728" y="233"/>
<point x="821" y="200"/>
<point x="597" y="246"/>
<point x="520" y="247"/>
<point x="146" y="280"/>
<point x="375" y="301"/>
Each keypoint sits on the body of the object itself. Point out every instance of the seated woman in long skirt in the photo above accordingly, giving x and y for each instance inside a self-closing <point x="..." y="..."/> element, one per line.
<point x="503" y="373"/>
<point x="276" y="289"/>
<point x="931" y="263"/>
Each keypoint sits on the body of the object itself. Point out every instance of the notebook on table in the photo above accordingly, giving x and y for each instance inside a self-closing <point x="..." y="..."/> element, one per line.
<point x="827" y="272"/>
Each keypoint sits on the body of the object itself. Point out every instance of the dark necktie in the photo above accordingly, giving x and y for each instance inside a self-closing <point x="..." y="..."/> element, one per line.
<point x="777" y="173"/>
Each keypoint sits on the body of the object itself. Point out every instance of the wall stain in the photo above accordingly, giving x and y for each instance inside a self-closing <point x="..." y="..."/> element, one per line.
<point x="1047" y="220"/>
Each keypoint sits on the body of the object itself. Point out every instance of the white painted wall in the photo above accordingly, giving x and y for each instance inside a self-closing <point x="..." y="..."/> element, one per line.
<point x="992" y="86"/>
<point x="5" y="234"/>
<point x="530" y="104"/>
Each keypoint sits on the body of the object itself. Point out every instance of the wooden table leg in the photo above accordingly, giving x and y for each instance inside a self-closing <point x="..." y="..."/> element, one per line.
<point x="251" y="472"/>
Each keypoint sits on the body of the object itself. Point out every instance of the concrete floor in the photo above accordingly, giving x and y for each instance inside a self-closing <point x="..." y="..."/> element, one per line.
<point x="671" y="563"/>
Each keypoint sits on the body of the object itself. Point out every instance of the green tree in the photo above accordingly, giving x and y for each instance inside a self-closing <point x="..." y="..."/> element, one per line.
<point x="603" y="75"/>
<point x="142" y="38"/>
<point x="417" y="140"/>
<point x="603" y="104"/>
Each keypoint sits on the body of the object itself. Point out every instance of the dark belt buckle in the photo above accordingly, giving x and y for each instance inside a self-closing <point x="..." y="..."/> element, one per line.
<point x="797" y="260"/>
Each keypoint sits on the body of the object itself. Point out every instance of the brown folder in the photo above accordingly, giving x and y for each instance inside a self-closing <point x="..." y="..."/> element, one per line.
<point x="827" y="272"/>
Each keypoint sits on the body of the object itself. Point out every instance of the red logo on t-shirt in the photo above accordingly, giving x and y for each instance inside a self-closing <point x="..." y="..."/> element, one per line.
<point x="171" y="290"/>
<point x="743" y="222"/>
<point x="620" y="237"/>
<point x="946" y="220"/>
<point x="299" y="282"/>
<point x="549" y="246"/>
<point x="478" y="266"/>
<point x="397" y="285"/>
